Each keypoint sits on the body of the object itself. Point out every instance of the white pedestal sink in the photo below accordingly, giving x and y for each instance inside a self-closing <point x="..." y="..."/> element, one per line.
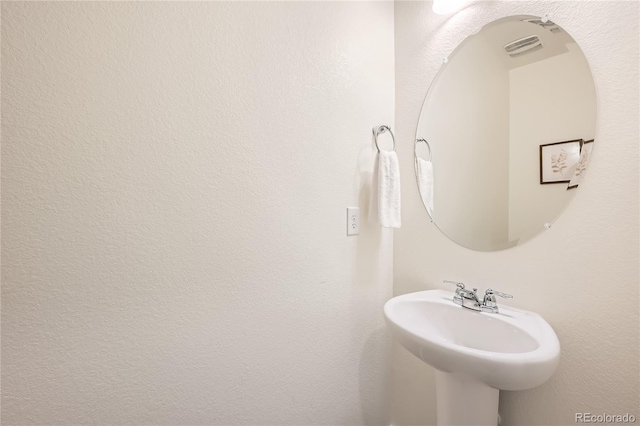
<point x="476" y="354"/>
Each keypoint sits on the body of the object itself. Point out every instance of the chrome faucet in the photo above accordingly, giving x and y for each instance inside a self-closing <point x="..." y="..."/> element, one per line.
<point x="469" y="298"/>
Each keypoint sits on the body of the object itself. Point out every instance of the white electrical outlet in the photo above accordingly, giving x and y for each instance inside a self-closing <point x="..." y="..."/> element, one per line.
<point x="353" y="220"/>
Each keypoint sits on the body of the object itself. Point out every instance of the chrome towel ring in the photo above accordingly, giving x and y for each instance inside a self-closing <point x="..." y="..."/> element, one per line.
<point x="378" y="130"/>
<point x="428" y="146"/>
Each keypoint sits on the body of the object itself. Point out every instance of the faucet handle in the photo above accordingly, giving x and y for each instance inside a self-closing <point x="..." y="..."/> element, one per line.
<point x="498" y="293"/>
<point x="457" y="284"/>
<point x="489" y="302"/>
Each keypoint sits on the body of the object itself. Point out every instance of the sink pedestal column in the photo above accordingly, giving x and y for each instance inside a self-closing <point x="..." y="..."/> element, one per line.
<point x="463" y="401"/>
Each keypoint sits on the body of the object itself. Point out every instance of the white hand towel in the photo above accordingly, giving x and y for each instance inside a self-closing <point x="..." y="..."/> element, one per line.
<point x="373" y="199"/>
<point x="425" y="183"/>
<point x="388" y="189"/>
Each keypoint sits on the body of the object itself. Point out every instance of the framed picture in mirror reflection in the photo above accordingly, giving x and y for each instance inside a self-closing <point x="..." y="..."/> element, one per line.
<point x="558" y="161"/>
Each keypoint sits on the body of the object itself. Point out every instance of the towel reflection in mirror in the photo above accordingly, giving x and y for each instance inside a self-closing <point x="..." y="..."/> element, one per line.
<point x="424" y="175"/>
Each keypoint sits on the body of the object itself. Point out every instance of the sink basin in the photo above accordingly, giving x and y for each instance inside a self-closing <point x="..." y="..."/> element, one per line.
<point x="476" y="354"/>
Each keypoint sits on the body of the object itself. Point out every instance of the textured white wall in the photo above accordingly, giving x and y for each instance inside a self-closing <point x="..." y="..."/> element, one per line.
<point x="582" y="275"/>
<point x="175" y="177"/>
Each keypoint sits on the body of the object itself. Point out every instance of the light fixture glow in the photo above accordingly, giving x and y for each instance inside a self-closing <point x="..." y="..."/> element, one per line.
<point x="447" y="7"/>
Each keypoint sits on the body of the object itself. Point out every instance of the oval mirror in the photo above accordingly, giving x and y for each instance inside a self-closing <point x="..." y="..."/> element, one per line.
<point x="505" y="133"/>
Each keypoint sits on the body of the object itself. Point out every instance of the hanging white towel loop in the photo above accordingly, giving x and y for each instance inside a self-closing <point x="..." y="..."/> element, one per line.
<point x="378" y="130"/>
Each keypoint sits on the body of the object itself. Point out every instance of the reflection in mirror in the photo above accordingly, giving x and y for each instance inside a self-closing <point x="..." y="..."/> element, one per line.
<point x="506" y="118"/>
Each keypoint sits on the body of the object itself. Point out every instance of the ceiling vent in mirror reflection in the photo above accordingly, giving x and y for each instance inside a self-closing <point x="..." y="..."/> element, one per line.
<point x="508" y="118"/>
<point x="524" y="45"/>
